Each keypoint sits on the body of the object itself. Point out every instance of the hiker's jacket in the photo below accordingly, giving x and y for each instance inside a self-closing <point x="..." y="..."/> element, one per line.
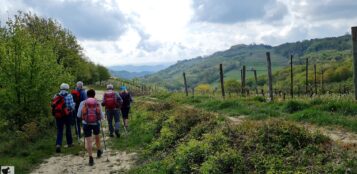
<point x="68" y="99"/>
<point x="127" y="99"/>
<point x="119" y="99"/>
<point x="79" y="113"/>
<point x="83" y="94"/>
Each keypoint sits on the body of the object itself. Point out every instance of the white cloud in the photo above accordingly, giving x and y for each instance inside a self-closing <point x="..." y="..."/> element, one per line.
<point x="161" y="31"/>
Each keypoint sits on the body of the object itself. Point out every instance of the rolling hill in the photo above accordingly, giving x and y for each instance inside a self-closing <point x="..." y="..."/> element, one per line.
<point x="129" y="75"/>
<point x="205" y="69"/>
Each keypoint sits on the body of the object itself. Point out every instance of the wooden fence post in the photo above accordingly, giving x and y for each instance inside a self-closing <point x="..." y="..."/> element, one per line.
<point x="291" y="77"/>
<point x="222" y="80"/>
<point x="256" y="81"/>
<point x="354" y="50"/>
<point x="270" y="77"/>
<point x="184" y="79"/>
<point x="243" y="79"/>
<point x="315" y="79"/>
<point x="307" y="77"/>
<point x="322" y="81"/>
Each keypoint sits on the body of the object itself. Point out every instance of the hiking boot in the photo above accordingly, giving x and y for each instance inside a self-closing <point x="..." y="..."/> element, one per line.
<point x="91" y="161"/>
<point x="117" y="134"/>
<point x="99" y="153"/>
<point x="58" y="149"/>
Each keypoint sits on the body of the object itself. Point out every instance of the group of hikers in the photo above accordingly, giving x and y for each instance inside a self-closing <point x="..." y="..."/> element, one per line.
<point x="79" y="107"/>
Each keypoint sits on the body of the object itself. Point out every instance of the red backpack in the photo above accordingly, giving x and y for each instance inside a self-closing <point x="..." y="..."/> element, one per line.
<point x="110" y="100"/>
<point x="59" y="108"/>
<point x="76" y="96"/>
<point x="91" y="111"/>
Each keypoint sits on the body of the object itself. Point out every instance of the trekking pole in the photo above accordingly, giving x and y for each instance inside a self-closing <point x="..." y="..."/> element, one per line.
<point x="76" y="127"/>
<point x="105" y="146"/>
<point x="126" y="132"/>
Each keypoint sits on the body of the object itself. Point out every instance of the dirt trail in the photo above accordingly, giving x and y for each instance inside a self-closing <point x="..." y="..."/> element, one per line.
<point x="118" y="161"/>
<point x="338" y="135"/>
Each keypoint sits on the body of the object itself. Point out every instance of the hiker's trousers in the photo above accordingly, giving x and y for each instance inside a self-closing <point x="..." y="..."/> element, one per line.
<point x="61" y="122"/>
<point x="113" y="113"/>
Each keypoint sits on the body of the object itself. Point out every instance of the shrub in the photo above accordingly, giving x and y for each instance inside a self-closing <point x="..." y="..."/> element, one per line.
<point x="227" y="161"/>
<point x="294" y="106"/>
<point x="259" y="99"/>
<point x="343" y="107"/>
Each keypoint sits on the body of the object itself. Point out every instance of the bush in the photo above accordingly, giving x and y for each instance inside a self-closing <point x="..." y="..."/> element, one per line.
<point x="179" y="124"/>
<point x="343" y="107"/>
<point x="259" y="99"/>
<point x="294" y="106"/>
<point x="227" y="161"/>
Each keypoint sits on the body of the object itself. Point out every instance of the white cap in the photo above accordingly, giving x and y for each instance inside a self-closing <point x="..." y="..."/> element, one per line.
<point x="80" y="84"/>
<point x="110" y="86"/>
<point x="64" y="86"/>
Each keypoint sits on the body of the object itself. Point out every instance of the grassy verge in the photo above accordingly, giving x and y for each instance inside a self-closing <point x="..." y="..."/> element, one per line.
<point x="26" y="154"/>
<point x="321" y="111"/>
<point x="172" y="138"/>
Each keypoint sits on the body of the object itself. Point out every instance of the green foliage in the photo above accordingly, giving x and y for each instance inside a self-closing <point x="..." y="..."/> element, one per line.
<point x="226" y="161"/>
<point x="267" y="146"/>
<point x="325" y="118"/>
<point x="259" y="99"/>
<point x="103" y="73"/>
<point x="26" y="66"/>
<point x="203" y="88"/>
<point x="188" y="140"/>
<point x="36" y="56"/>
<point x="341" y="106"/>
<point x="294" y="106"/>
<point x="232" y="86"/>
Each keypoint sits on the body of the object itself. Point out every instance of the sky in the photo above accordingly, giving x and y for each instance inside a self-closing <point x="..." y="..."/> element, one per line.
<point x="151" y="32"/>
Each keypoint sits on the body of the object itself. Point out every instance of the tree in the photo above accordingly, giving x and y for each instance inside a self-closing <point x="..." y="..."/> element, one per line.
<point x="66" y="48"/>
<point x="232" y="86"/>
<point x="29" y="74"/>
<point x="103" y="73"/>
<point x="203" y="88"/>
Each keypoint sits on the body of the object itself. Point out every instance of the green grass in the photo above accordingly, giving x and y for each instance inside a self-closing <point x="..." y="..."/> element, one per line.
<point x="190" y="140"/>
<point x="141" y="132"/>
<point x="325" y="119"/>
<point x="25" y="156"/>
<point x="327" y="111"/>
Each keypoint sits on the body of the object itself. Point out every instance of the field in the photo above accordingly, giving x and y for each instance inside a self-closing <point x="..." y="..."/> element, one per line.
<point x="202" y="134"/>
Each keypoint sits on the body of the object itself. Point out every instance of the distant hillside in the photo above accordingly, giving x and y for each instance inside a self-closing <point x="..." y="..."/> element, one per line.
<point x="205" y="69"/>
<point x="138" y="68"/>
<point x="129" y="75"/>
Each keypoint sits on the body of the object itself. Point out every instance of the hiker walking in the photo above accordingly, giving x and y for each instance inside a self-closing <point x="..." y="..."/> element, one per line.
<point x="112" y="102"/>
<point x="79" y="95"/>
<point x="125" y="108"/>
<point x="91" y="113"/>
<point x="62" y="108"/>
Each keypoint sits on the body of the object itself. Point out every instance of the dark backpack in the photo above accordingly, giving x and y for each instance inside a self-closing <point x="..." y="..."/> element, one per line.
<point x="126" y="99"/>
<point x="91" y="111"/>
<point x="110" y="100"/>
<point x="76" y="96"/>
<point x="59" y="108"/>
